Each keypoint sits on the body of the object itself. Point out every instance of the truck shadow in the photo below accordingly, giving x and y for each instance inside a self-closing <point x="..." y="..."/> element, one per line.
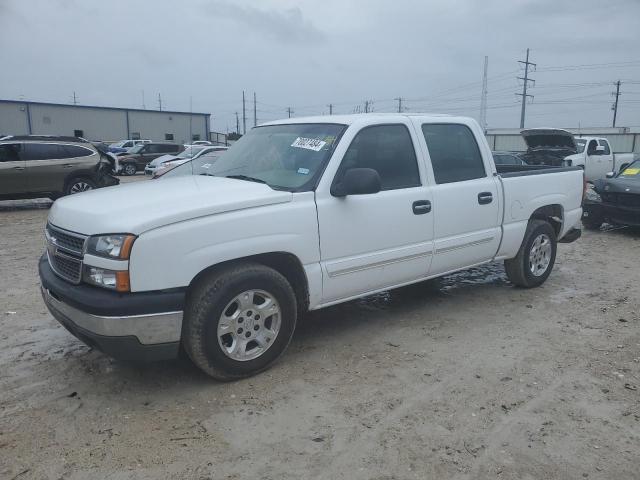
<point x="32" y="204"/>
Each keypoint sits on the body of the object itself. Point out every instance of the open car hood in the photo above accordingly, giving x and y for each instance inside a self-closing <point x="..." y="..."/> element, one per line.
<point x="549" y="138"/>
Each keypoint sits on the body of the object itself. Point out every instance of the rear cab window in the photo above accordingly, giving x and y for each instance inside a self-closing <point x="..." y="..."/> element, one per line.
<point x="454" y="152"/>
<point x="10" y="152"/>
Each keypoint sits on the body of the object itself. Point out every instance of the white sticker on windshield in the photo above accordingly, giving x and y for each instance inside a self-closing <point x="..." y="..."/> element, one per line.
<point x="309" y="143"/>
<point x="303" y="171"/>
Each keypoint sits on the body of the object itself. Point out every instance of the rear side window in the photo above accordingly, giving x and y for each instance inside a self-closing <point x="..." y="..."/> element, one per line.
<point x="605" y="144"/>
<point x="170" y="148"/>
<point x="43" y="151"/>
<point x="388" y="149"/>
<point x="10" y="152"/>
<point x="153" y="148"/>
<point x="75" y="151"/>
<point x="454" y="152"/>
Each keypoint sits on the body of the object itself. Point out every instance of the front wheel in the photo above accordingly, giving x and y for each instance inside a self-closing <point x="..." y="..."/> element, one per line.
<point x="79" y="185"/>
<point x="129" y="169"/>
<point x="239" y="320"/>
<point x="536" y="257"/>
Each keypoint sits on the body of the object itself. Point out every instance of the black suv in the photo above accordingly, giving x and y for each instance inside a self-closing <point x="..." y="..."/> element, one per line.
<point x="46" y="166"/>
<point x="137" y="157"/>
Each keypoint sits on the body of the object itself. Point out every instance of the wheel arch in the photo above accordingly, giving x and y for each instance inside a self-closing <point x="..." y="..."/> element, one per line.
<point x="553" y="213"/>
<point x="285" y="263"/>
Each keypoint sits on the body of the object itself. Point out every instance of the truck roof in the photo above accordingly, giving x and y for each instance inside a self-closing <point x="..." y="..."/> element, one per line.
<point x="373" y="117"/>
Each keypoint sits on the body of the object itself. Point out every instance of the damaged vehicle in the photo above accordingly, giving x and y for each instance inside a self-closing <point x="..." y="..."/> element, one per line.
<point x="557" y="147"/>
<point x="614" y="200"/>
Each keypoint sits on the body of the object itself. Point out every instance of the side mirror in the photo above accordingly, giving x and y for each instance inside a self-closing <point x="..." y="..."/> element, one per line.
<point x="611" y="174"/>
<point x="357" y="181"/>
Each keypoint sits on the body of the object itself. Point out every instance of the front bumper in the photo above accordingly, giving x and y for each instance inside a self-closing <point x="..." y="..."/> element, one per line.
<point x="612" y="213"/>
<point x="136" y="326"/>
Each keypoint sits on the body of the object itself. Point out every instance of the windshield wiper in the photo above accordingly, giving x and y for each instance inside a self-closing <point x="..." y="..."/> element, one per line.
<point x="245" y="177"/>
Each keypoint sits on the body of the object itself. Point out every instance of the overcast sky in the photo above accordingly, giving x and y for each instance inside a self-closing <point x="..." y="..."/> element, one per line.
<point x="308" y="53"/>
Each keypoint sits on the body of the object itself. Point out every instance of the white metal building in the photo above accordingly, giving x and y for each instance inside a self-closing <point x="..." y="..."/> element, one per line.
<point x="101" y="123"/>
<point x="622" y="139"/>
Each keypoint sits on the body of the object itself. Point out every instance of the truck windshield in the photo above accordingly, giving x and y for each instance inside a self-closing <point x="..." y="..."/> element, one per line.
<point x="285" y="157"/>
<point x="580" y="144"/>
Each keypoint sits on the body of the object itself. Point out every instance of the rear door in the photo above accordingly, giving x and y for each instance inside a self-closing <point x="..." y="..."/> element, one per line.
<point x="49" y="165"/>
<point x="13" y="174"/>
<point x="466" y="201"/>
<point x="607" y="156"/>
<point x="150" y="152"/>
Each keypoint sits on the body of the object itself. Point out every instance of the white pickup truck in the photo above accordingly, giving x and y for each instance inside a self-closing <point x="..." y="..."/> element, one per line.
<point x="554" y="146"/>
<point x="298" y="215"/>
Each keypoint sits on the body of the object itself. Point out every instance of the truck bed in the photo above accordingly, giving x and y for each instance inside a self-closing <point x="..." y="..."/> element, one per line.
<point x="507" y="171"/>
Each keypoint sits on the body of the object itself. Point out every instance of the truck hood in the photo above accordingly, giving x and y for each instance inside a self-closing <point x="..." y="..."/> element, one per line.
<point x="142" y="206"/>
<point x="548" y="139"/>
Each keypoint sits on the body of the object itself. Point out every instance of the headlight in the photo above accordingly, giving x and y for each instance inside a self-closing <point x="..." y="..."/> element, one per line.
<point x="111" y="246"/>
<point x="101" y="277"/>
<point x="592" y="195"/>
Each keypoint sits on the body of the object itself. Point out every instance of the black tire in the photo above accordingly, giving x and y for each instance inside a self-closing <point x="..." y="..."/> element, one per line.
<point x="518" y="268"/>
<point x="206" y="302"/>
<point x="129" y="169"/>
<point x="78" y="185"/>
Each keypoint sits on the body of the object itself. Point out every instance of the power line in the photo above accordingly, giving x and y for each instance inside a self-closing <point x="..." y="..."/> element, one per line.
<point x="525" y="84"/>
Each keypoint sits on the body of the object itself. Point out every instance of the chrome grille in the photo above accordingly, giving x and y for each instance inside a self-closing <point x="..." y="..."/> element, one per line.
<point x="64" y="252"/>
<point x="67" y="267"/>
<point x="69" y="241"/>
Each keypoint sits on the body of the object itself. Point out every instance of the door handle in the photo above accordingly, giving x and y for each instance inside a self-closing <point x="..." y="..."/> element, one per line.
<point x="421" y="207"/>
<point x="485" y="197"/>
<point x="68" y="165"/>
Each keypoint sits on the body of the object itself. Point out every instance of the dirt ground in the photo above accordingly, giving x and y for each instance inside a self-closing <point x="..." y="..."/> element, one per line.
<point x="475" y="380"/>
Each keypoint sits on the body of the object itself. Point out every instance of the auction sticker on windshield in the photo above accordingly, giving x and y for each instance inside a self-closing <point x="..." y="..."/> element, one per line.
<point x="309" y="143"/>
<point x="631" y="172"/>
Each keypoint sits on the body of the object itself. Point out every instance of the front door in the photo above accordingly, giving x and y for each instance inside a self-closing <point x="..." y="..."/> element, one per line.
<point x="466" y="201"/>
<point x="13" y="174"/>
<point x="370" y="242"/>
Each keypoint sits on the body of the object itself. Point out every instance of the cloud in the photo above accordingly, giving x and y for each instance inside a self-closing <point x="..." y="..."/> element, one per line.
<point x="286" y="26"/>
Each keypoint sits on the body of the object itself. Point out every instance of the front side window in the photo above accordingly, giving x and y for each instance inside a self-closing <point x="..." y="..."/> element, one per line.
<point x="454" y="152"/>
<point x="75" y="151"/>
<point x="137" y="149"/>
<point x="387" y="149"/>
<point x="10" y="152"/>
<point x="285" y="157"/>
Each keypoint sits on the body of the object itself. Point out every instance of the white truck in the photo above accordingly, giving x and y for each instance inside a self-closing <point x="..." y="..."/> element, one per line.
<point x="298" y="215"/>
<point x="554" y="146"/>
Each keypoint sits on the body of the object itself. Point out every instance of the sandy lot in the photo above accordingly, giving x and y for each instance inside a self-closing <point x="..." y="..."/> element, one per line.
<point x="475" y="380"/>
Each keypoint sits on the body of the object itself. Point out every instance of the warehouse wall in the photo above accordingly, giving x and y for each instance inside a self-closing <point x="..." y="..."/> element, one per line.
<point x="13" y="119"/>
<point x="99" y="123"/>
<point x="96" y="124"/>
<point x="155" y="125"/>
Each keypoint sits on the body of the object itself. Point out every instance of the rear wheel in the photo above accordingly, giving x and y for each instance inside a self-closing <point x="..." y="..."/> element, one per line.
<point x="79" y="185"/>
<point x="239" y="320"/>
<point x="129" y="169"/>
<point x="536" y="257"/>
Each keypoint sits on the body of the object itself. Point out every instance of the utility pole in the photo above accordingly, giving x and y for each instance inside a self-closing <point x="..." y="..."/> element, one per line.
<point x="399" y="99"/>
<point x="614" y="107"/>
<point x="367" y="106"/>
<point x="190" y="119"/>
<point x="255" y="111"/>
<point x="159" y="102"/>
<point x="244" y="115"/>
<point x="525" y="84"/>
<point x="237" y="124"/>
<point x="143" y="105"/>
<point x="483" y="98"/>
<point x="289" y="111"/>
<point x="330" y="108"/>
<point x="75" y="99"/>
